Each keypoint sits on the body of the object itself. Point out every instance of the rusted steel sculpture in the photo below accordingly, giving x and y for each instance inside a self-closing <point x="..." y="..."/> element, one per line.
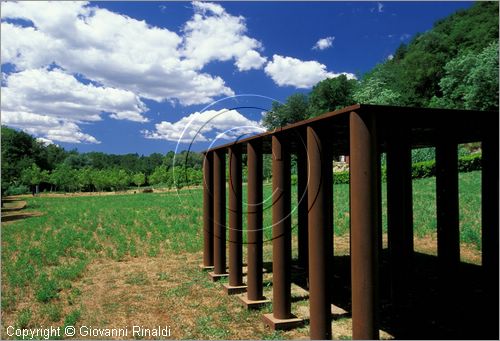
<point x="362" y="132"/>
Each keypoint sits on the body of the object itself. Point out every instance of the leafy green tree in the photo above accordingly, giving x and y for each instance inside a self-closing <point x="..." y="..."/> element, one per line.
<point x="121" y="179"/>
<point x="168" y="159"/>
<point x="139" y="179"/>
<point x="77" y="161"/>
<point x="158" y="176"/>
<point x="17" y="155"/>
<point x="63" y="177"/>
<point x="471" y="81"/>
<point x="52" y="156"/>
<point x="374" y="90"/>
<point x="84" y="177"/>
<point x="130" y="162"/>
<point x="99" y="179"/>
<point x="149" y="163"/>
<point x="331" y="94"/>
<point x="99" y="160"/>
<point x="185" y="158"/>
<point x="194" y="176"/>
<point x="295" y="109"/>
<point x="413" y="76"/>
<point x="34" y="176"/>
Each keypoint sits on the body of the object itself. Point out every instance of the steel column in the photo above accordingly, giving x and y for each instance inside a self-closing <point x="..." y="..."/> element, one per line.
<point x="320" y="234"/>
<point x="282" y="248"/>
<point x="219" y="212"/>
<point x="302" y="204"/>
<point x="399" y="213"/>
<point x="489" y="207"/>
<point x="364" y="229"/>
<point x="254" y="277"/>
<point x="448" y="232"/>
<point x="235" y="218"/>
<point x="208" y="210"/>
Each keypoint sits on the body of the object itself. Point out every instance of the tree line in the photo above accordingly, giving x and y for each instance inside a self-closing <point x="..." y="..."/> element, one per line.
<point x="28" y="164"/>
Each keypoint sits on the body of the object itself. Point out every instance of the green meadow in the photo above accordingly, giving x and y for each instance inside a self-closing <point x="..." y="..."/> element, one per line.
<point x="46" y="259"/>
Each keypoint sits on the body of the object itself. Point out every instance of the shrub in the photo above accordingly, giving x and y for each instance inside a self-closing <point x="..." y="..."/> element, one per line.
<point x="423" y="154"/>
<point x="469" y="163"/>
<point x="17" y="190"/>
<point x="424" y="169"/>
<point x="341" y="177"/>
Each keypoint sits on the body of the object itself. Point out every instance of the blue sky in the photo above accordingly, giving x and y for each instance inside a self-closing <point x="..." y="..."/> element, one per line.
<point x="145" y="77"/>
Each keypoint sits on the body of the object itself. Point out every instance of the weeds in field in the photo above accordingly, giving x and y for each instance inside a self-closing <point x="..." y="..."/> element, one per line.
<point x="48" y="289"/>
<point x="72" y="318"/>
<point x="23" y="319"/>
<point x="43" y="257"/>
<point x="53" y="311"/>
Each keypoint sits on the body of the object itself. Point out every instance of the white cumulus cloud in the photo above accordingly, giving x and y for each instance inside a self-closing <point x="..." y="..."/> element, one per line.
<point x="212" y="34"/>
<point x="224" y="123"/>
<point x="51" y="128"/>
<point x="106" y="47"/>
<point x="323" y="43"/>
<point x="289" y="71"/>
<point x="127" y="59"/>
<point x="250" y="60"/>
<point x="37" y="100"/>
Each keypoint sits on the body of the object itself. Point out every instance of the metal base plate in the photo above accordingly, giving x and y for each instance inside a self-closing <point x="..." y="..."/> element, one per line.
<point x="233" y="290"/>
<point x="206" y="267"/>
<point x="251" y="304"/>
<point x="215" y="277"/>
<point x="282" y="324"/>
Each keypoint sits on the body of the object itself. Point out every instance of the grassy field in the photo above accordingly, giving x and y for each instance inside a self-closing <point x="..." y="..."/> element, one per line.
<point x="132" y="259"/>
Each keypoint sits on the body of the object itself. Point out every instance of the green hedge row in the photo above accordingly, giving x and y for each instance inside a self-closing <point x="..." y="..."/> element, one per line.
<point x="424" y="169"/>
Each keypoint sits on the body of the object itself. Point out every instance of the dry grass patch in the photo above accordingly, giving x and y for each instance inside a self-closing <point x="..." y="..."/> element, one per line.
<point x="170" y="292"/>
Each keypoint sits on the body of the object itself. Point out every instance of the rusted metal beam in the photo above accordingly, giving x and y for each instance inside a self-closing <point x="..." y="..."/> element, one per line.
<point x="219" y="161"/>
<point x="447" y="219"/>
<point x="281" y="318"/>
<point x="320" y="234"/>
<point x="302" y="223"/>
<point x="364" y="229"/>
<point x="235" y="222"/>
<point x="448" y="232"/>
<point x="489" y="212"/>
<point x="255" y="223"/>
<point x="282" y="245"/>
<point x="208" y="210"/>
<point x="399" y="214"/>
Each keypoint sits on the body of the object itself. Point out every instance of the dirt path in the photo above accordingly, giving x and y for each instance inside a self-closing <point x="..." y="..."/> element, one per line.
<point x="13" y="209"/>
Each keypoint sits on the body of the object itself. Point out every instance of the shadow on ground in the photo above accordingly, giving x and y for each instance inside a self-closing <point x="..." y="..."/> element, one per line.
<point x="435" y="310"/>
<point x="14" y="217"/>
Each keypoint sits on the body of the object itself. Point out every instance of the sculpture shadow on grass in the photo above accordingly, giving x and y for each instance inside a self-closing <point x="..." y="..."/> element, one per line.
<point x="435" y="309"/>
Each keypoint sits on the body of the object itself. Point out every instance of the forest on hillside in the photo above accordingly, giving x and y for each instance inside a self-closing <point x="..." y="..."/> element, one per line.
<point x="453" y="65"/>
